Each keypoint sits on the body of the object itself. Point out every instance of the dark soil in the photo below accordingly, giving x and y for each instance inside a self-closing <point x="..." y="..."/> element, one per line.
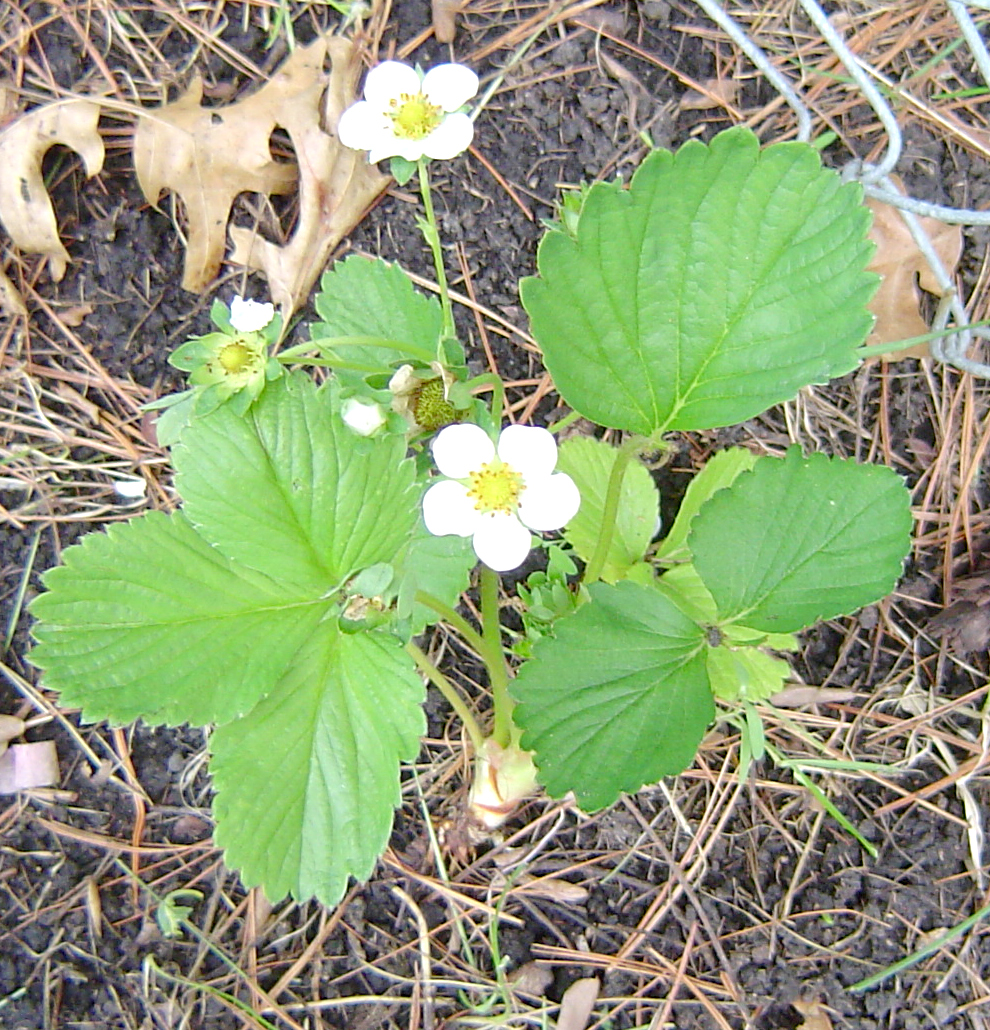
<point x="787" y="906"/>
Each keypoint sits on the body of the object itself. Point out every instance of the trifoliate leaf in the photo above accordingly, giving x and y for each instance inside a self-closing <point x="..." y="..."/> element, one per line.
<point x="723" y="280"/>
<point x="148" y="620"/>
<point x="617" y="698"/>
<point x="800" y="539"/>
<point x="307" y="782"/>
<point x="589" y="463"/>
<point x="369" y="297"/>
<point x="290" y="491"/>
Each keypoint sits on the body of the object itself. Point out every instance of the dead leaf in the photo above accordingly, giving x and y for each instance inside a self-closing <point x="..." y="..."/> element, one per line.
<point x="25" y="209"/>
<point x="445" y="19"/>
<point x="578" y="1003"/>
<point x="964" y="626"/>
<point x="801" y="696"/>
<point x="10" y="727"/>
<point x="610" y="20"/>
<point x="336" y="185"/>
<point x="207" y="155"/>
<point x="815" y="1016"/>
<point x="11" y="300"/>
<point x="210" y="155"/>
<point x="23" y="766"/>
<point x="531" y="978"/>
<point x="713" y="93"/>
<point x="898" y="261"/>
<point x="76" y="315"/>
<point x="551" y="887"/>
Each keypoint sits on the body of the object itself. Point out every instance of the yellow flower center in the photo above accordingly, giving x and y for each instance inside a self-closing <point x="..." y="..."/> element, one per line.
<point x="413" y="116"/>
<point x="495" y="487"/>
<point x="235" y="357"/>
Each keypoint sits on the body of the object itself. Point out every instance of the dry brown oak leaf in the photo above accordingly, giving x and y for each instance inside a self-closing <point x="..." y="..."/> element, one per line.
<point x="337" y="186"/>
<point x="898" y="261"/>
<point x="25" y="208"/>
<point x="210" y="155"/>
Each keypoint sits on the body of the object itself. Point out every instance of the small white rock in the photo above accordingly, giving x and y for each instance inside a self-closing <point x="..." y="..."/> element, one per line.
<point x="131" y="488"/>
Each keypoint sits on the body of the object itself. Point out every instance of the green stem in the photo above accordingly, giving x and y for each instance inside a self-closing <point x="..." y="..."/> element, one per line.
<point x="498" y="673"/>
<point x="498" y="392"/>
<point x="350" y="366"/>
<point x="329" y="343"/>
<point x="569" y="419"/>
<point x="432" y="236"/>
<point x="593" y="570"/>
<point x="450" y="692"/>
<point x="471" y="636"/>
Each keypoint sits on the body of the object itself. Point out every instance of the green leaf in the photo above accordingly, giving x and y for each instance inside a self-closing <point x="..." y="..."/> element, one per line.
<point x="687" y="590"/>
<point x="800" y="539"/>
<point x="723" y="280"/>
<point x="618" y="698"/>
<point x="148" y="620"/>
<point x="288" y="490"/>
<point x="589" y="462"/>
<point x="719" y="472"/>
<point x="369" y="297"/>
<point x="745" y="673"/>
<point x="308" y="780"/>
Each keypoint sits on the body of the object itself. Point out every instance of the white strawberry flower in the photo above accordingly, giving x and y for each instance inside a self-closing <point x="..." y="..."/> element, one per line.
<point x="496" y="495"/>
<point x="409" y="115"/>
<point x="250" y="316"/>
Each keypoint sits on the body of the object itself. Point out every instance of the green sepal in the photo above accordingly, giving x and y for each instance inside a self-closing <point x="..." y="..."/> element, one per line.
<point x="401" y="170"/>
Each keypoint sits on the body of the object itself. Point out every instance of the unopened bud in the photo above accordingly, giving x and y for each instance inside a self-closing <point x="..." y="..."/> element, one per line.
<point x="364" y="417"/>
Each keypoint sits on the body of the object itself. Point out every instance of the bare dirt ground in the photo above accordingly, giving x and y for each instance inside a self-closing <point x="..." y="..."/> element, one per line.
<point x="708" y="901"/>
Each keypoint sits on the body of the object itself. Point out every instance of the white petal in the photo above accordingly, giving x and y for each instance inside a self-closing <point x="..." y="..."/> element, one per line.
<point x="387" y="81"/>
<point x="501" y="541"/>
<point x="451" y="137"/>
<point x="390" y="145"/>
<point x="529" y="450"/>
<point x="250" y="316"/>
<point x="361" y="126"/>
<point x="447" y="510"/>
<point x="549" y="503"/>
<point x="450" y="85"/>
<point x="458" y="450"/>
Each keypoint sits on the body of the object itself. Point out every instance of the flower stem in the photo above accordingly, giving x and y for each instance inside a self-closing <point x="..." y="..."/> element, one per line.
<point x="569" y="419"/>
<point x="493" y="381"/>
<point x="498" y="672"/>
<point x="593" y="570"/>
<point x="471" y="636"/>
<point x="328" y="344"/>
<point x="431" y="232"/>
<point x="450" y="692"/>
